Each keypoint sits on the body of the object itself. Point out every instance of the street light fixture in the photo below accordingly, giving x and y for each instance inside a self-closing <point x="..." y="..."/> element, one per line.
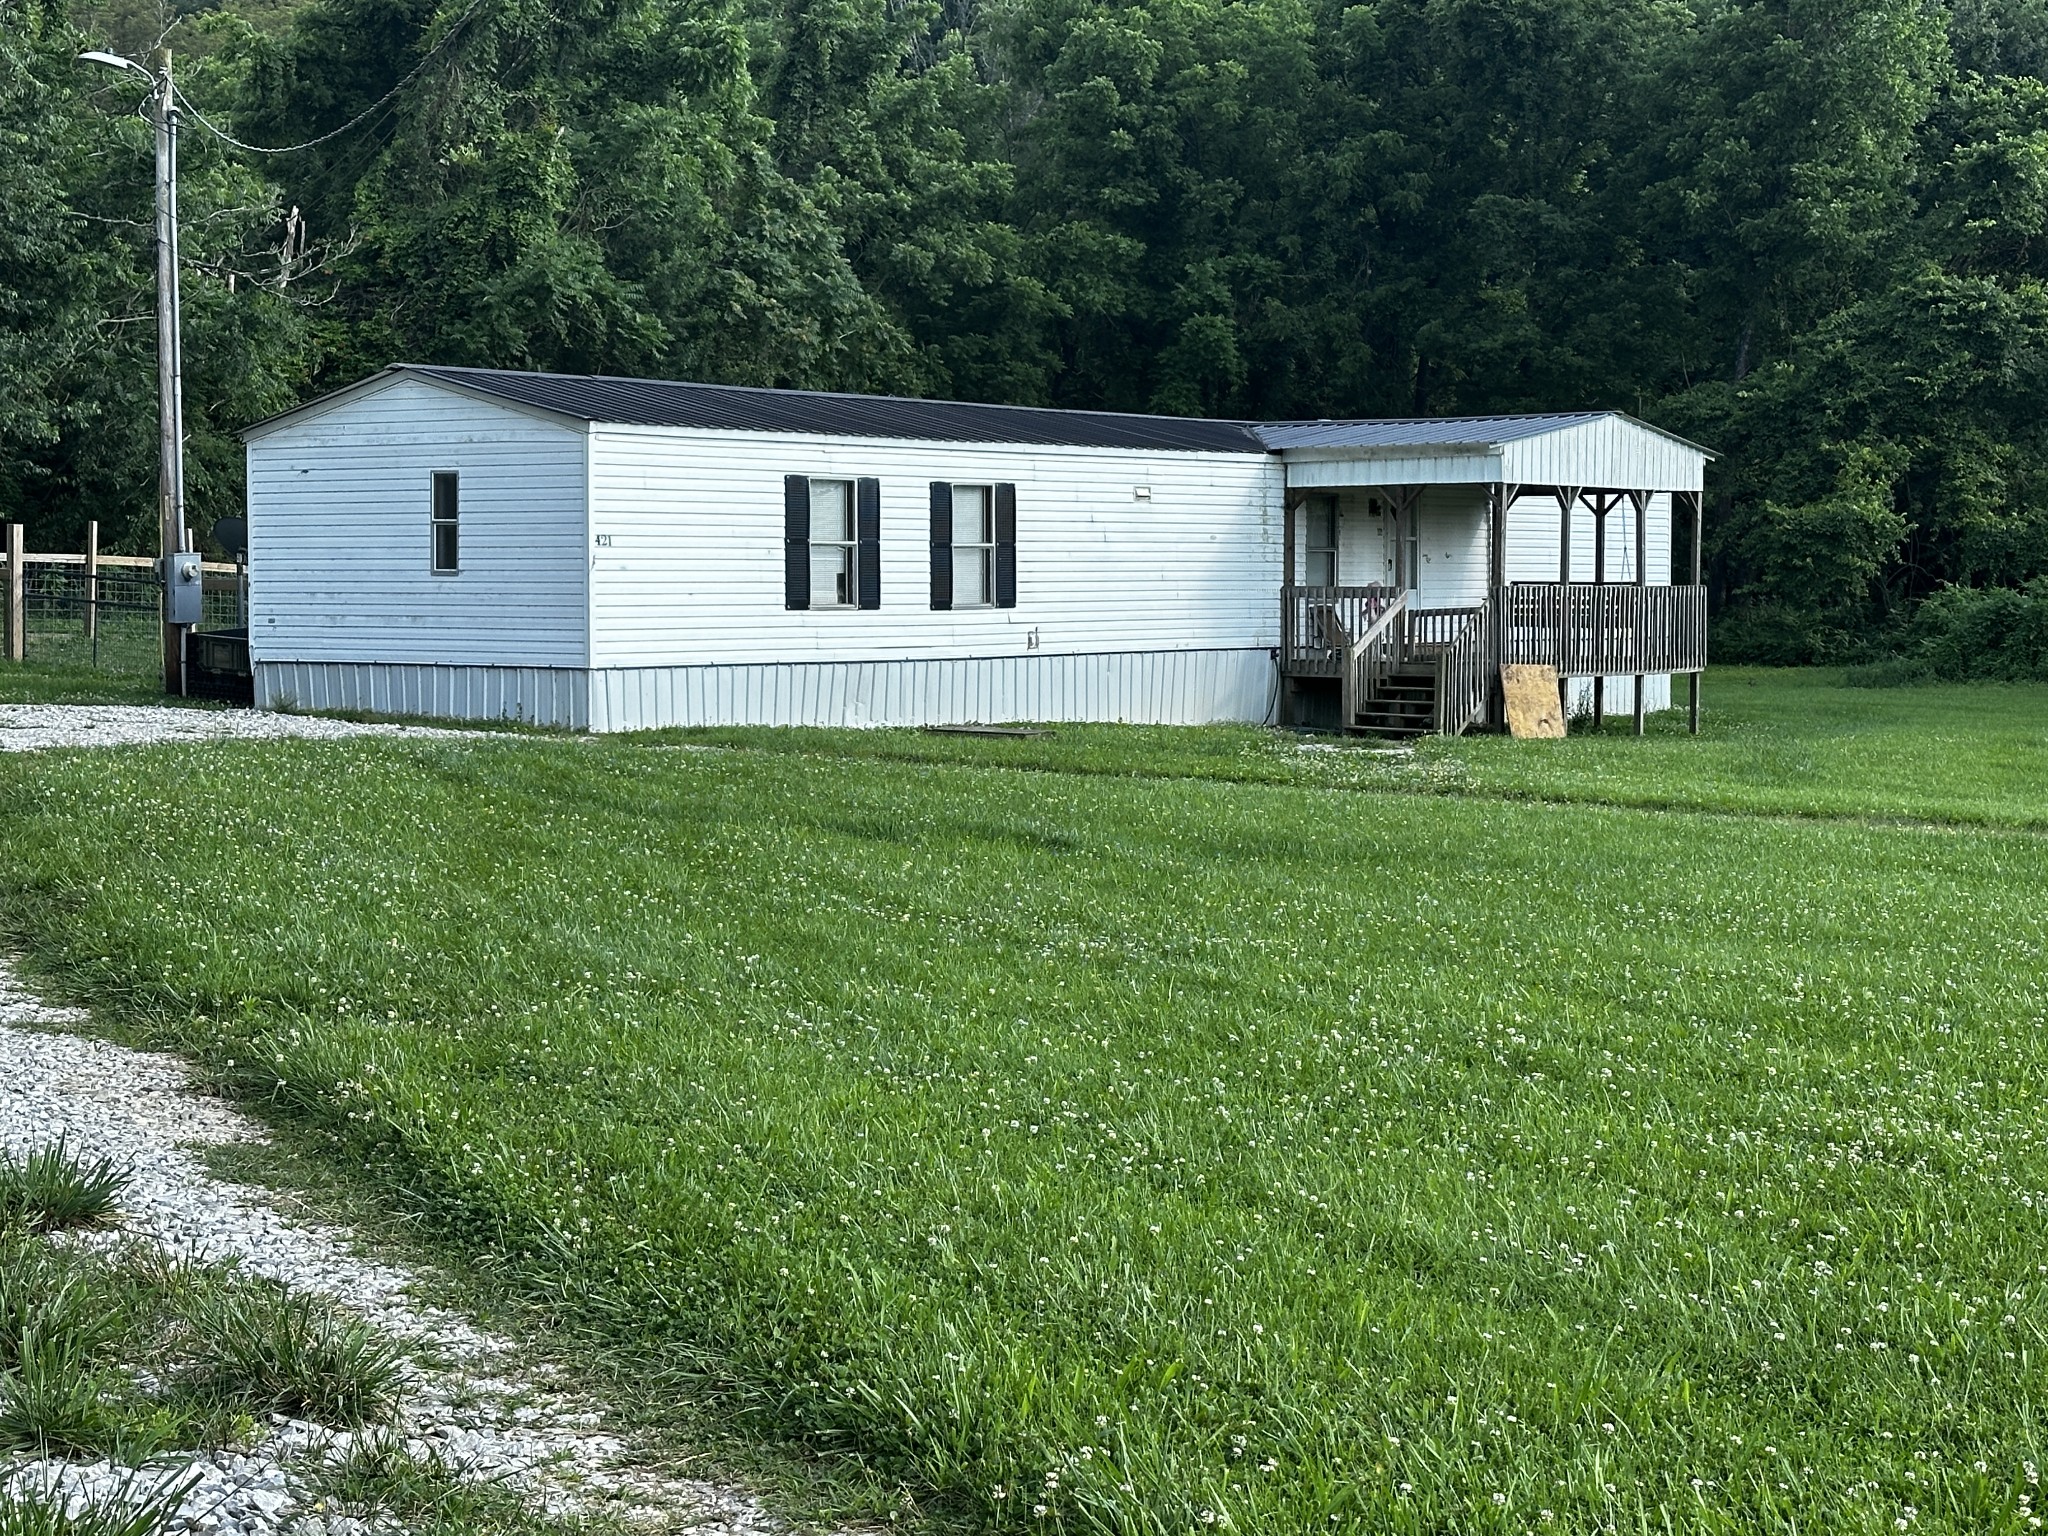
<point x="172" y="537"/>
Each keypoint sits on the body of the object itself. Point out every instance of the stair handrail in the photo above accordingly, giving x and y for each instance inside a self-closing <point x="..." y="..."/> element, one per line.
<point x="1461" y="678"/>
<point x="1379" y="641"/>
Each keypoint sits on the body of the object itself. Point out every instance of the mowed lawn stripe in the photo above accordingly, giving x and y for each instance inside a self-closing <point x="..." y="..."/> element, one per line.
<point x="1780" y="742"/>
<point x="1149" y="1154"/>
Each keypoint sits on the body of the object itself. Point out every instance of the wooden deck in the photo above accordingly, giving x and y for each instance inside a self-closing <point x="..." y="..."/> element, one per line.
<point x="1364" y="636"/>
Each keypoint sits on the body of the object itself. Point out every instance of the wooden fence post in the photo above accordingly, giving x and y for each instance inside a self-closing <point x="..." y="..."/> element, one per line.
<point x="17" y="607"/>
<point x="92" y="581"/>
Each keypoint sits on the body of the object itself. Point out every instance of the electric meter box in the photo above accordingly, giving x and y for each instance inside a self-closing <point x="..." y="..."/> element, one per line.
<point x="184" y="591"/>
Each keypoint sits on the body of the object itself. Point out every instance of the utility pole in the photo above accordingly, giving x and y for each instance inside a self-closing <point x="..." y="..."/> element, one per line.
<point x="170" y="358"/>
<point x="170" y="352"/>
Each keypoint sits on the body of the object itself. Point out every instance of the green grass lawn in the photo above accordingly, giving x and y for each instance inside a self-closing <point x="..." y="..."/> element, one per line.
<point x="1188" y="1131"/>
<point x="63" y="668"/>
<point x="1774" y="743"/>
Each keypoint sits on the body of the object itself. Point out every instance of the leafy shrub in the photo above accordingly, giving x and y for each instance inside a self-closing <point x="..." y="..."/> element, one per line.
<point x="1769" y="633"/>
<point x="1969" y="634"/>
<point x="51" y="1189"/>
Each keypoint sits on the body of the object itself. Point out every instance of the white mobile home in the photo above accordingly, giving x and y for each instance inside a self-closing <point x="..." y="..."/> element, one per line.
<point x="616" y="554"/>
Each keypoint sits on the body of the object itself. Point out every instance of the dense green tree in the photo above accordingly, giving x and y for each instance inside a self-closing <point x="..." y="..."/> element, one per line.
<point x="1811" y="233"/>
<point x="78" y="421"/>
<point x="582" y="187"/>
<point x="48" y="279"/>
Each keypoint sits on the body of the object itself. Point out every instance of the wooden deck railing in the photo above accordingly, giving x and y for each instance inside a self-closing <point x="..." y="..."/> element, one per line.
<point x="1589" y="629"/>
<point x="1306" y="618"/>
<point x="1464" y="666"/>
<point x="1370" y="658"/>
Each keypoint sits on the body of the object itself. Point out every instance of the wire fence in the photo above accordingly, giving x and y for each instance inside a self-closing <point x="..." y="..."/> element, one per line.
<point x="112" y="620"/>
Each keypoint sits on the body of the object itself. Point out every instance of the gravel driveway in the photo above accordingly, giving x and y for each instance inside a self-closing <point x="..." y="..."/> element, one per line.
<point x="35" y="727"/>
<point x="484" y="1412"/>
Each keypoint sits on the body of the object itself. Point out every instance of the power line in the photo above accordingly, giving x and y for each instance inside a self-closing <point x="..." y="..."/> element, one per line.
<point x="357" y="121"/>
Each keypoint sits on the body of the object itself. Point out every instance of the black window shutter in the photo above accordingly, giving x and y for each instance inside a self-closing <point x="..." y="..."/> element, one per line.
<point x="1006" y="546"/>
<point x="796" y="541"/>
<point x="867" y="528"/>
<point x="942" y="544"/>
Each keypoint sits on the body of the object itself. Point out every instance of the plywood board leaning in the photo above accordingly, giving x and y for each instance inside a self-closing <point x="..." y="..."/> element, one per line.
<point x="1532" y="703"/>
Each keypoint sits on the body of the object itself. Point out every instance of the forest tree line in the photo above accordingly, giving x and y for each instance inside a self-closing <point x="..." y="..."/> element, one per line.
<point x="1809" y="234"/>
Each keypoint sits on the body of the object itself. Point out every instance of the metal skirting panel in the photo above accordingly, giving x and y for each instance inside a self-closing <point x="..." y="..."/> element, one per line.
<point x="537" y="695"/>
<point x="1141" y="687"/>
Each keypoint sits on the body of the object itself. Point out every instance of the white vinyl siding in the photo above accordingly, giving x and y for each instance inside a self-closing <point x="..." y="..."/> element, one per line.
<point x="341" y="533"/>
<point x="1450" y="547"/>
<point x="692" y="572"/>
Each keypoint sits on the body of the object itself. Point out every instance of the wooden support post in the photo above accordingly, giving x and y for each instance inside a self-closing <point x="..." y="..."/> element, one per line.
<point x="1500" y="502"/>
<point x="1603" y="503"/>
<point x="1404" y="502"/>
<point x="1699" y="500"/>
<point x="1567" y="504"/>
<point x="1288" y="519"/>
<point x="92" y="581"/>
<point x="17" y="606"/>
<point x="1500" y="499"/>
<point x="1642" y="504"/>
<point x="1393" y="516"/>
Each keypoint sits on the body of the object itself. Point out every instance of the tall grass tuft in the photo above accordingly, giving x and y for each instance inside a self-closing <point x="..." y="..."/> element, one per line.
<point x="51" y="1190"/>
<point x="127" y="1511"/>
<point x="54" y="1401"/>
<point x="44" y="1291"/>
<point x="56" y="1330"/>
<point x="272" y="1352"/>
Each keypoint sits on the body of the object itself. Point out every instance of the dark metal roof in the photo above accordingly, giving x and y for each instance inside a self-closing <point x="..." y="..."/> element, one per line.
<point x="658" y="403"/>
<point x="736" y="408"/>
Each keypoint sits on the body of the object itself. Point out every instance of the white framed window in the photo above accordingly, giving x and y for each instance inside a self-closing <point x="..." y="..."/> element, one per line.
<point x="833" y="540"/>
<point x="447" y="509"/>
<point x="1319" y="514"/>
<point x="974" y="546"/>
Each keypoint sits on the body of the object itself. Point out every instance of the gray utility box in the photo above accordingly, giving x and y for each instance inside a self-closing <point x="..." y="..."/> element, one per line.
<point x="184" y="588"/>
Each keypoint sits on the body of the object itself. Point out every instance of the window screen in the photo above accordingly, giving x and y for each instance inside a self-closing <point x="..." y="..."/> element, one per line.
<point x="974" y="546"/>
<point x="832" y="544"/>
